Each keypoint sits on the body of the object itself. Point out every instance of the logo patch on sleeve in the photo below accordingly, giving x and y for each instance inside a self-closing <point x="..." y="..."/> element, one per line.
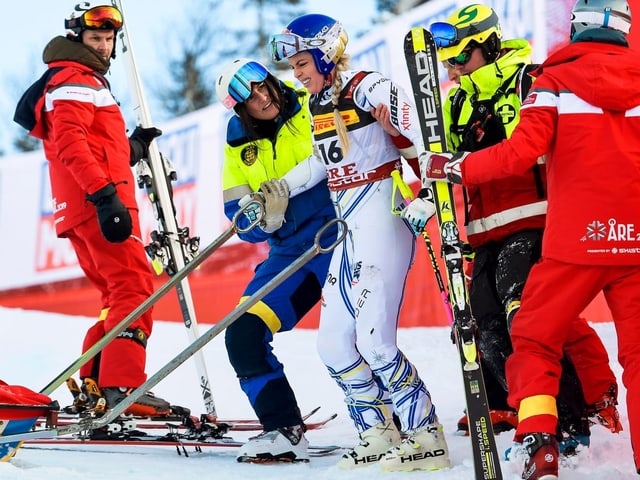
<point x="249" y="155"/>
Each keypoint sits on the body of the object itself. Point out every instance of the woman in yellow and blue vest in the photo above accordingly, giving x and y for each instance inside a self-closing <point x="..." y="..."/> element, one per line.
<point x="267" y="137"/>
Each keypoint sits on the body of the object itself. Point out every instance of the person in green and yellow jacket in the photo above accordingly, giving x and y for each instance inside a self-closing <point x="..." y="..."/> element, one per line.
<point x="269" y="135"/>
<point x="506" y="218"/>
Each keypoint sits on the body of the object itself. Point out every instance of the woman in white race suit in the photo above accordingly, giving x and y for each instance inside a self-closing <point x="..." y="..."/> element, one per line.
<point x="365" y="286"/>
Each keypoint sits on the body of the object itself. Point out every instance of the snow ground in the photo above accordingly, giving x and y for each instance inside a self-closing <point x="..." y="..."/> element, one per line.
<point x="38" y="346"/>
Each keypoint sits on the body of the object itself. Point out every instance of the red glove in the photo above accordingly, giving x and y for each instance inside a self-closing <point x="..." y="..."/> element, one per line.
<point x="443" y="167"/>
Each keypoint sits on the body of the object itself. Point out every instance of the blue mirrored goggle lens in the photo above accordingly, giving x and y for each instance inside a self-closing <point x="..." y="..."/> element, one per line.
<point x="444" y="34"/>
<point x="240" y="84"/>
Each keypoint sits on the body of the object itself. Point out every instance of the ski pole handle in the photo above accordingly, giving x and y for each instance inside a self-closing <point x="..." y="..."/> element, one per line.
<point x="405" y="190"/>
<point x="245" y="208"/>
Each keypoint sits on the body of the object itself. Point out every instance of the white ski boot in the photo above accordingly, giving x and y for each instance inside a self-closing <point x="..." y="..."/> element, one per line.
<point x="287" y="444"/>
<point x="425" y="448"/>
<point x="374" y="442"/>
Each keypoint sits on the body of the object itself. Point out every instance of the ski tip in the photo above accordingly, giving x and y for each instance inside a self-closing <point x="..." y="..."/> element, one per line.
<point x="312" y="412"/>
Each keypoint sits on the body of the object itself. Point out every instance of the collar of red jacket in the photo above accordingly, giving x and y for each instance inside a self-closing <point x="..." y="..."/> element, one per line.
<point x="62" y="48"/>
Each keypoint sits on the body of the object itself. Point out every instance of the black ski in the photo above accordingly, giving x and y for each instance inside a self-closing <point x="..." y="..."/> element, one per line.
<point x="422" y="64"/>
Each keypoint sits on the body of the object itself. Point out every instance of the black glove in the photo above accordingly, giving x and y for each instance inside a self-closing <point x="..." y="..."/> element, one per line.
<point x="139" y="143"/>
<point x="114" y="218"/>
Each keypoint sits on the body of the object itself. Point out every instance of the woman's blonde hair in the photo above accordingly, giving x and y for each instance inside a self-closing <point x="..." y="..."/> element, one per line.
<point x="341" y="128"/>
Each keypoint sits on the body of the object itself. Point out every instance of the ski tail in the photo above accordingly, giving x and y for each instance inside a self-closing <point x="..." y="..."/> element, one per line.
<point x="422" y="64"/>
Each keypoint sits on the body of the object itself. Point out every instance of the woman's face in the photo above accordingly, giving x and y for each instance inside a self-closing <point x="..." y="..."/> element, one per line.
<point x="260" y="105"/>
<point x="304" y="69"/>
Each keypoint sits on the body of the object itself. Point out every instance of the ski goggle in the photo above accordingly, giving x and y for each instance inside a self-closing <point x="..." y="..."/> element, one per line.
<point x="285" y="45"/>
<point x="447" y="35"/>
<point x="97" y="18"/>
<point x="240" y="84"/>
<point x="462" y="58"/>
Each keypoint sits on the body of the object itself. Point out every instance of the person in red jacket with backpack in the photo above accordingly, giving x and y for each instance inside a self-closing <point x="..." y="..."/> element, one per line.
<point x="72" y="110"/>
<point x="583" y="112"/>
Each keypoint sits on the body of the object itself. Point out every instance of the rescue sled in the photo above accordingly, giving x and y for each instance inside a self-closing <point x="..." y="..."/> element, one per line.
<point x="20" y="408"/>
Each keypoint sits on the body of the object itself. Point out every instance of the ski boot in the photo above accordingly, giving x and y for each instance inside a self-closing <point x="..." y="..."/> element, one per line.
<point x="542" y="464"/>
<point x="147" y="405"/>
<point x="573" y="434"/>
<point x="86" y="398"/>
<point x="604" y="411"/>
<point x="286" y="444"/>
<point x="374" y="443"/>
<point x="501" y="420"/>
<point x="425" y="448"/>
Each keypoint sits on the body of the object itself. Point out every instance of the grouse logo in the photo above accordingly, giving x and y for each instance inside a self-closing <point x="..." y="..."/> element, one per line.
<point x="249" y="155"/>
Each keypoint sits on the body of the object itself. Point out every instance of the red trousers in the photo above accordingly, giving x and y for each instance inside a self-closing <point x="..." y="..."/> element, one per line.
<point x="122" y="274"/>
<point x="590" y="359"/>
<point x="554" y="296"/>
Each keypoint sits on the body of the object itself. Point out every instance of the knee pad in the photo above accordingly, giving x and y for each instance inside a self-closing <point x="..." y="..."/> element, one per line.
<point x="247" y="346"/>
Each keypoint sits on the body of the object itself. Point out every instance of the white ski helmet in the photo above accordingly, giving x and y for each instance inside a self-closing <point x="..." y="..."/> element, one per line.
<point x="234" y="83"/>
<point x="588" y="14"/>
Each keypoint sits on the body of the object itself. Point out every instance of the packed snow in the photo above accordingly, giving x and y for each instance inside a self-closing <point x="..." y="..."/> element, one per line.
<point x="37" y="346"/>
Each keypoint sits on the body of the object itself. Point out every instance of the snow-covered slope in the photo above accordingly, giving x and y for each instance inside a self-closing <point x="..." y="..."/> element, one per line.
<point x="36" y="347"/>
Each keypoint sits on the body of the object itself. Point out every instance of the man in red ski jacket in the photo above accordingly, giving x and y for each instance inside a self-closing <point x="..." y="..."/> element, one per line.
<point x="72" y="110"/>
<point x="584" y="113"/>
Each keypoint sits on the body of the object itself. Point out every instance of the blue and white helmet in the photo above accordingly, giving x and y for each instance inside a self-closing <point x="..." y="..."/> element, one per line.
<point x="588" y="14"/>
<point x="234" y="83"/>
<point x="322" y="36"/>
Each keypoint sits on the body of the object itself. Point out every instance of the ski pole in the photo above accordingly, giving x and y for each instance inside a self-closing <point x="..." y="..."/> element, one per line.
<point x="154" y="298"/>
<point x="407" y="194"/>
<point x="439" y="280"/>
<point x="88" y="423"/>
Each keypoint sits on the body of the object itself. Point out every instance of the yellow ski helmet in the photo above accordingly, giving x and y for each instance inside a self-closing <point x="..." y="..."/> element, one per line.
<point x="471" y="23"/>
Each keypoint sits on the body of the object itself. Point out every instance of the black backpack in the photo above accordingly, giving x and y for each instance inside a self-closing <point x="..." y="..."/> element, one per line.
<point x="484" y="127"/>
